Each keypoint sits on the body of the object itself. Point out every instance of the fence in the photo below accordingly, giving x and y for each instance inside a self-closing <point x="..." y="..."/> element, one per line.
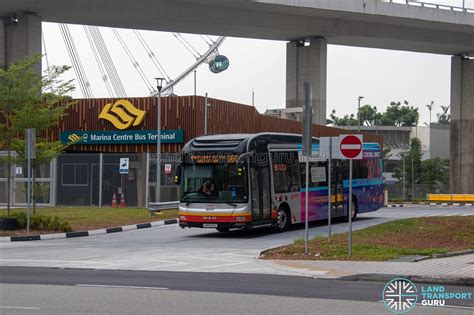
<point x="92" y="179"/>
<point x="395" y="191"/>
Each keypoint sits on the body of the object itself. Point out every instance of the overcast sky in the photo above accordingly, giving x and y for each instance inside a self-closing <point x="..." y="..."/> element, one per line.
<point x="381" y="76"/>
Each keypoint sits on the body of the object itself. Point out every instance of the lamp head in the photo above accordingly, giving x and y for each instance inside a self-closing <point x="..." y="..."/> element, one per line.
<point x="159" y="83"/>
<point x="360" y="97"/>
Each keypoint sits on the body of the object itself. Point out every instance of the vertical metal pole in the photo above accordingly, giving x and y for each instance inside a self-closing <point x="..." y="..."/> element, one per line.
<point x="253" y="98"/>
<point x="412" y="179"/>
<point x="350" y="208"/>
<point x="329" y="189"/>
<point x="306" y="151"/>
<point x="158" y="150"/>
<point x="358" y="115"/>
<point x="306" y="205"/>
<point x="195" y="82"/>
<point x="147" y="179"/>
<point x="28" y="195"/>
<point x="101" y="165"/>
<point x="404" y="178"/>
<point x="205" y="114"/>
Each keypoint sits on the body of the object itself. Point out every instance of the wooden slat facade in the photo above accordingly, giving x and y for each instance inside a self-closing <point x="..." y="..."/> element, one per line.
<point x="184" y="112"/>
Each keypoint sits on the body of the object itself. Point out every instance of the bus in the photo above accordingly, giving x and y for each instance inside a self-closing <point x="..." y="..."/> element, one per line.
<point x="253" y="180"/>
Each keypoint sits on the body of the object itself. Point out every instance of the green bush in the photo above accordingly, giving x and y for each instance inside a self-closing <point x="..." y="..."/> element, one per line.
<point x="41" y="222"/>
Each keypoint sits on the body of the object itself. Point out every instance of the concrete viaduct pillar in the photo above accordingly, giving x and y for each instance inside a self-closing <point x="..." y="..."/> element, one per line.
<point x="307" y="63"/>
<point x="19" y="38"/>
<point x="461" y="171"/>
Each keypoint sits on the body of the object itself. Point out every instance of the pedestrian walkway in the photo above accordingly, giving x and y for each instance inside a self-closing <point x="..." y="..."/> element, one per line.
<point x="457" y="267"/>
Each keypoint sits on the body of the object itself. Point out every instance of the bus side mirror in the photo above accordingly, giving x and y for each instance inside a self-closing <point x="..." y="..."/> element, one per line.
<point x="177" y="175"/>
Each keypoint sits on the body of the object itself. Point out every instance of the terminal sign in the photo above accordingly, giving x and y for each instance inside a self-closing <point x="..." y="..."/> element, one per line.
<point x="121" y="137"/>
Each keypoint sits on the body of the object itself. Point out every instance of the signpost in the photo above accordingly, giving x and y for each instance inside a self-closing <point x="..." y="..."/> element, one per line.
<point x="351" y="148"/>
<point x="307" y="147"/>
<point x="30" y="154"/>
<point x="329" y="147"/>
<point x="124" y="165"/>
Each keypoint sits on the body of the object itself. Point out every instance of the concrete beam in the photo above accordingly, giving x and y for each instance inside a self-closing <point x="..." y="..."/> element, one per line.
<point x="22" y="39"/>
<point x="307" y="63"/>
<point x="461" y="172"/>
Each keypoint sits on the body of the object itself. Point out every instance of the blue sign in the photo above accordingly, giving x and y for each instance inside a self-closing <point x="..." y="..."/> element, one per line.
<point x="121" y="137"/>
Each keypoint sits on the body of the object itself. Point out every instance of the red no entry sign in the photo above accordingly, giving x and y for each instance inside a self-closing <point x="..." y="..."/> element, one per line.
<point x="351" y="146"/>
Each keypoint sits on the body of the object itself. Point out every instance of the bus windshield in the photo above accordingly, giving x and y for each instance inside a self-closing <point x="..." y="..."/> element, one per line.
<point x="219" y="183"/>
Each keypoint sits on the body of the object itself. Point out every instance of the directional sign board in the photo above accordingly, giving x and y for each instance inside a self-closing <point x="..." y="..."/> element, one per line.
<point x="124" y="165"/>
<point x="350" y="147"/>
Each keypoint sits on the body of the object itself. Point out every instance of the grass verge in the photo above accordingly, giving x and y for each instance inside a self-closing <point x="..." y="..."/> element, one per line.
<point x="90" y="218"/>
<point x="420" y="236"/>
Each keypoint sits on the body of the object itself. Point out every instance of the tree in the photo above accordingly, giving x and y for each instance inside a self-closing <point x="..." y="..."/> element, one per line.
<point x="445" y="117"/>
<point x="433" y="173"/>
<point x="347" y="120"/>
<point x="368" y="115"/>
<point x="18" y="87"/>
<point x="395" y="115"/>
<point x="400" y="115"/>
<point x="26" y="106"/>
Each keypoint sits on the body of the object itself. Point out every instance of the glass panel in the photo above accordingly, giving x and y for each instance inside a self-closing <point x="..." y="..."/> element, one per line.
<point x="214" y="183"/>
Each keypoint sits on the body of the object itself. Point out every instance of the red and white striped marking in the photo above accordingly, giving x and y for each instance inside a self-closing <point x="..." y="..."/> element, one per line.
<point x="351" y="146"/>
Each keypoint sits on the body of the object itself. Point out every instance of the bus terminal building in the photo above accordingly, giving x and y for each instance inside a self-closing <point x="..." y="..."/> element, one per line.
<point x="99" y="134"/>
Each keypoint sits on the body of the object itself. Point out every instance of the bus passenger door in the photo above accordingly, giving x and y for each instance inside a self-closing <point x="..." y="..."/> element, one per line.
<point x="337" y="191"/>
<point x="261" y="195"/>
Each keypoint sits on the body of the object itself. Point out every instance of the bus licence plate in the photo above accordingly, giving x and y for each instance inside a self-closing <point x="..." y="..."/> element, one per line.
<point x="209" y="225"/>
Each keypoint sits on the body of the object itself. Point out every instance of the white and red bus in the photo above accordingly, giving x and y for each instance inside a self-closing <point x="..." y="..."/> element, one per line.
<point x="249" y="180"/>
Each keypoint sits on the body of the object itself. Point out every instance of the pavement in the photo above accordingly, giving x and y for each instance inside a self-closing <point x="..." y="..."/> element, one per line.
<point x="170" y="248"/>
<point x="456" y="270"/>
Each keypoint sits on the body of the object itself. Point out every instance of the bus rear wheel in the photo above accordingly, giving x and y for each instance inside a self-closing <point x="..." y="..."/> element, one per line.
<point x="353" y="210"/>
<point x="283" y="220"/>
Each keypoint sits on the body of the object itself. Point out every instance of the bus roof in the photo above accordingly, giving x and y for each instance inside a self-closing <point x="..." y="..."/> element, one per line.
<point x="239" y="142"/>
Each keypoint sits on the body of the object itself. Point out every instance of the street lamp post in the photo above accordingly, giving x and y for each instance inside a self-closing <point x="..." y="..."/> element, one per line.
<point x="358" y="112"/>
<point x="159" y="86"/>
<point x="206" y="105"/>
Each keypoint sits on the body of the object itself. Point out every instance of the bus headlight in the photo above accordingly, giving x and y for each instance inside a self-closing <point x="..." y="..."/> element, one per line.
<point x="182" y="218"/>
<point x="240" y="218"/>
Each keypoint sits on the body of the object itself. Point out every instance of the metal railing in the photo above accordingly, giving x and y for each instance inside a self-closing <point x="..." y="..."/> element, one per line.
<point x="460" y="7"/>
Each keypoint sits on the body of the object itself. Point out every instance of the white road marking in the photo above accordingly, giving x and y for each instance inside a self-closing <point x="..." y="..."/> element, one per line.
<point x="118" y="286"/>
<point x="19" y="307"/>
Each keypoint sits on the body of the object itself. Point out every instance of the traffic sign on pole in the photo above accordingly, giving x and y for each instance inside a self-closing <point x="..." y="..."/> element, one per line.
<point x="351" y="148"/>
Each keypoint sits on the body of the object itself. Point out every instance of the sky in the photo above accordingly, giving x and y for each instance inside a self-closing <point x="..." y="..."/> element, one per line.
<point x="381" y="76"/>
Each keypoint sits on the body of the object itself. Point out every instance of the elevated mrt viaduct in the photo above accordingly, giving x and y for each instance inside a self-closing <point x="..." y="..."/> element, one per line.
<point x="363" y="23"/>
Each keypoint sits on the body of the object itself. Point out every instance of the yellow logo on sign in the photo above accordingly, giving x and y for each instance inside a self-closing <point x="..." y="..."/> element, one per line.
<point x="122" y="114"/>
<point x="74" y="138"/>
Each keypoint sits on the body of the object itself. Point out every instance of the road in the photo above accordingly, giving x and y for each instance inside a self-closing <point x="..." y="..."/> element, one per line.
<point x="77" y="291"/>
<point x="170" y="248"/>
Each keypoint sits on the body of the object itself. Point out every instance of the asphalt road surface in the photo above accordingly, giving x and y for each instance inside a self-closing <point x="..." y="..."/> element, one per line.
<point x="73" y="291"/>
<point x="198" y="250"/>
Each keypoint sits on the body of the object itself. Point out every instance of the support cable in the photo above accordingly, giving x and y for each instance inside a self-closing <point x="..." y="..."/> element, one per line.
<point x="76" y="61"/>
<point x="206" y="40"/>
<point x="107" y="61"/>
<point x="99" y="63"/>
<point x="135" y="63"/>
<point x="152" y="56"/>
<point x="186" y="45"/>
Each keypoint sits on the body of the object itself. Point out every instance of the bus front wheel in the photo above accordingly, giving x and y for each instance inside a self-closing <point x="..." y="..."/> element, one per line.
<point x="283" y="220"/>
